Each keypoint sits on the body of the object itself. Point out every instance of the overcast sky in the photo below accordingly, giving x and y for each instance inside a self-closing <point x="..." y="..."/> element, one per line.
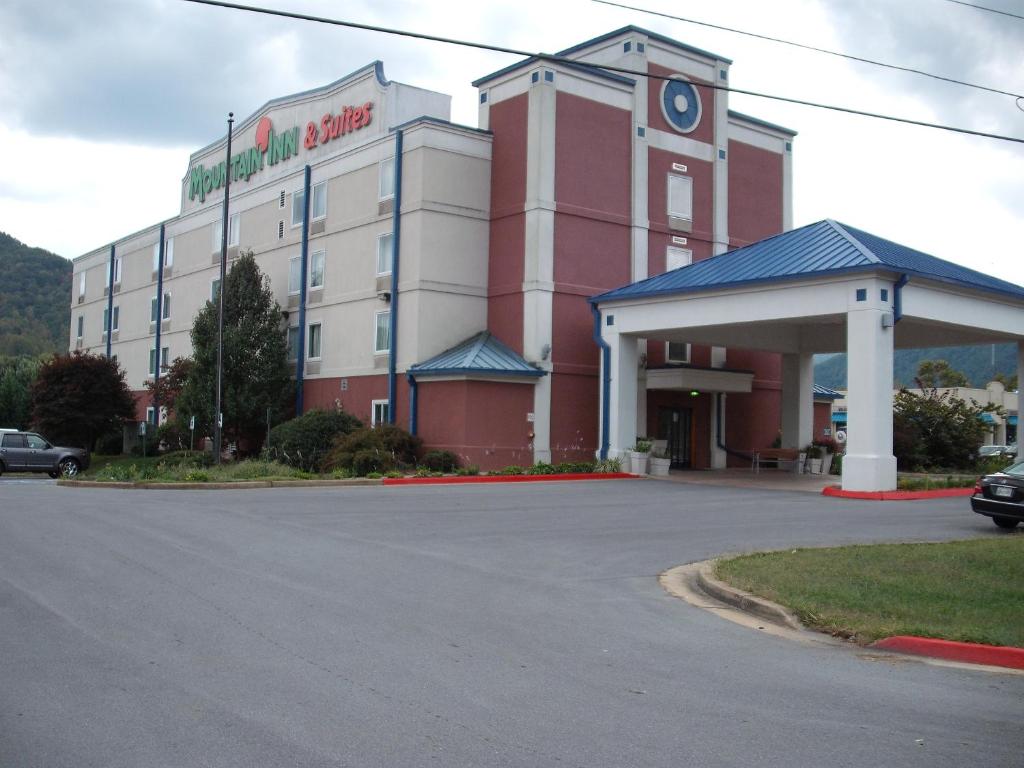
<point x="102" y="102"/>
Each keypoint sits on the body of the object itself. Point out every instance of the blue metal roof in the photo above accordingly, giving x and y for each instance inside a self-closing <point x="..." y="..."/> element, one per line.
<point x="839" y="417"/>
<point x="824" y="248"/>
<point x="825" y="392"/>
<point x="483" y="355"/>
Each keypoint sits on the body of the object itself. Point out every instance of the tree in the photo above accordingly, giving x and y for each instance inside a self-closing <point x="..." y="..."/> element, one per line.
<point x="169" y="387"/>
<point x="256" y="372"/>
<point x="933" y="430"/>
<point x="939" y="373"/>
<point x="1009" y="382"/>
<point x="16" y="377"/>
<point x="78" y="397"/>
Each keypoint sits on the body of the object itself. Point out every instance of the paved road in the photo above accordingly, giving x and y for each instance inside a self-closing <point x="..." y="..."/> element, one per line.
<point x="460" y="626"/>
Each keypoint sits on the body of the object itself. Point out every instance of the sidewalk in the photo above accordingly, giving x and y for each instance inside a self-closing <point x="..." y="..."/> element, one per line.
<point x="768" y="479"/>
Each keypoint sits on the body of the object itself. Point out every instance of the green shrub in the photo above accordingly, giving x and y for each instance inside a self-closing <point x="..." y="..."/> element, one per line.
<point x="187" y="459"/>
<point x="196" y="476"/>
<point x="511" y="469"/>
<point x="471" y="470"/>
<point x="541" y="468"/>
<point x="305" y="442"/>
<point x="440" y="461"/>
<point x="608" y="465"/>
<point x="371" y="460"/>
<point x="574" y="467"/>
<point x="111" y="443"/>
<point x="374" y="449"/>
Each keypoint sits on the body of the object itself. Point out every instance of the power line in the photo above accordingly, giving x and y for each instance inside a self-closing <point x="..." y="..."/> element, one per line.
<point x="826" y="51"/>
<point x="990" y="10"/>
<point x="597" y="67"/>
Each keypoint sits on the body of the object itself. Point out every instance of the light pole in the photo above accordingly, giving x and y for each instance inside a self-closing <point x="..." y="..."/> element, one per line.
<point x="225" y="225"/>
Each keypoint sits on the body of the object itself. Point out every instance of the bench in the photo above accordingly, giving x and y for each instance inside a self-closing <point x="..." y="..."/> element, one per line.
<point x="780" y="458"/>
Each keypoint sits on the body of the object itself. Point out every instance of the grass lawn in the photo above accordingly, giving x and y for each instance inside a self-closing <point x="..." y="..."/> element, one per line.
<point x="971" y="591"/>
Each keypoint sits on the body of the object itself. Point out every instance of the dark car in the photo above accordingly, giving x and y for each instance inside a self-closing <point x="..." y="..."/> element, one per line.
<point x="1001" y="496"/>
<point x="29" y="452"/>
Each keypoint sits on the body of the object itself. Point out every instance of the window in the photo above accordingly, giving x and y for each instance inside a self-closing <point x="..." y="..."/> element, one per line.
<point x="215" y="290"/>
<point x="316" y="269"/>
<point x="106" y="320"/>
<point x="165" y="353"/>
<point x="318" y="208"/>
<point x="150" y="414"/>
<point x="680" y="197"/>
<point x="293" y="342"/>
<point x="13" y="441"/>
<point x="385" y="247"/>
<point x="81" y="284"/>
<point x="36" y="442"/>
<point x="117" y="318"/>
<point x="233" y="231"/>
<point x="294" y="274"/>
<point x="117" y="271"/>
<point x="382" y="334"/>
<point x="380" y="412"/>
<point x="387" y="178"/>
<point x="677" y="257"/>
<point x="156" y="256"/>
<point x="169" y="252"/>
<point x="81" y="327"/>
<point x="314" y="341"/>
<point x="677" y="352"/>
<point x="165" y="310"/>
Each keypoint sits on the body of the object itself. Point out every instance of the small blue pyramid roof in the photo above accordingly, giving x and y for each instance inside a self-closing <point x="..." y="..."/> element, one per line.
<point x="482" y="355"/>
<point x="824" y="248"/>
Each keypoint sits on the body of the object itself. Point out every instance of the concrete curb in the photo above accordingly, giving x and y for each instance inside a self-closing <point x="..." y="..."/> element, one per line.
<point x="971" y="653"/>
<point x="240" y="485"/>
<point x="938" y="493"/>
<point x="472" y="479"/>
<point x="745" y="601"/>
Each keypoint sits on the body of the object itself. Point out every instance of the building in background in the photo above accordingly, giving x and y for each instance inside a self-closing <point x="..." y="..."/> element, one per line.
<point x="476" y="331"/>
<point x="1002" y="427"/>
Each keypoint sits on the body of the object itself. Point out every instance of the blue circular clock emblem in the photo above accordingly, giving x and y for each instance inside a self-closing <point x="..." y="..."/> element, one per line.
<point x="680" y="103"/>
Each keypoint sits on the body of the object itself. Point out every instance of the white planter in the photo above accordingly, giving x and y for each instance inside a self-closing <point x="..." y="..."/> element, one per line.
<point x="638" y="462"/>
<point x="659" y="467"/>
<point x="826" y="463"/>
<point x="814" y="466"/>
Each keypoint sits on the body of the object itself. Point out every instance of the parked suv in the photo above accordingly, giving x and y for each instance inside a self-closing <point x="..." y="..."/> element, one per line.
<point x="29" y="452"/>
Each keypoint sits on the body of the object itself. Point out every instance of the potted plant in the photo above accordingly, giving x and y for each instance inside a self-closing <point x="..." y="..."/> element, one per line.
<point x="813" y="452"/>
<point x="660" y="463"/>
<point x="638" y="456"/>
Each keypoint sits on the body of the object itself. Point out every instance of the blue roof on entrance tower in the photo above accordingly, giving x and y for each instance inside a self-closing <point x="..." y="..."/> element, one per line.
<point x="824" y="248"/>
<point x="480" y="355"/>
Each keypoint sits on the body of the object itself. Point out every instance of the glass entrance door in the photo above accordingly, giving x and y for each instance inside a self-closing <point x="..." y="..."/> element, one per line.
<point x="674" y="428"/>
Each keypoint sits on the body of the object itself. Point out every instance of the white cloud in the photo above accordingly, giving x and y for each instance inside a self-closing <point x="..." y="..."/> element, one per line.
<point x="98" y="100"/>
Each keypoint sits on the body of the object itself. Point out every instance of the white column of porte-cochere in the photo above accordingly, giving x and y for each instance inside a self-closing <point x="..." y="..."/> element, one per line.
<point x="797" y="400"/>
<point x="625" y="356"/>
<point x="869" y="464"/>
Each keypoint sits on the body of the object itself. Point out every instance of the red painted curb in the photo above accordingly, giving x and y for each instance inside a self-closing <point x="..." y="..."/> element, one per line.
<point x="972" y="653"/>
<point x="938" y="493"/>
<point x="507" y="478"/>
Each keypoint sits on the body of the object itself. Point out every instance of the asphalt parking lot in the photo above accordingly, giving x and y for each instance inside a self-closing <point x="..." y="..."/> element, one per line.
<point x="518" y="625"/>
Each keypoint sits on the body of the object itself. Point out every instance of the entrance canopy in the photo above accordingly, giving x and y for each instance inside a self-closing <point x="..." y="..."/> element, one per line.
<point x="825" y="287"/>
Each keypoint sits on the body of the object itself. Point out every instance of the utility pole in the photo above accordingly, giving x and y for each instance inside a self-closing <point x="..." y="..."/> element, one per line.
<point x="225" y="225"/>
